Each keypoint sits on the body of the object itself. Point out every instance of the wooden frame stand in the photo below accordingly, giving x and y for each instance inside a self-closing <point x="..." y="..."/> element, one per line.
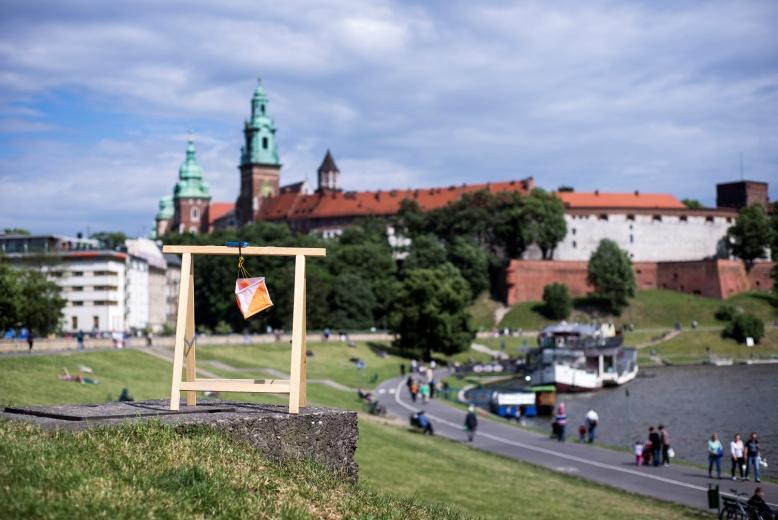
<point x="184" y="353"/>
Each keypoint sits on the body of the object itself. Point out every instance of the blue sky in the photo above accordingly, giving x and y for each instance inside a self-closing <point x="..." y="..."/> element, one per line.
<point x="96" y="97"/>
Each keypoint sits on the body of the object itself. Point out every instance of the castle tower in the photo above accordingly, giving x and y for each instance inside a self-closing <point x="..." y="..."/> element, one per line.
<point x="329" y="174"/>
<point x="260" y="166"/>
<point x="164" y="217"/>
<point x="191" y="199"/>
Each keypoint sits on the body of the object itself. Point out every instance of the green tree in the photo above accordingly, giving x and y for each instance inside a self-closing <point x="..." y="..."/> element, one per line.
<point x="351" y="302"/>
<point x="11" y="298"/>
<point x="751" y="235"/>
<point x="692" y="203"/>
<point x="16" y="231"/>
<point x="472" y="262"/>
<point x="28" y="298"/>
<point x="610" y="272"/>
<point x="544" y="216"/>
<point x="557" y="301"/>
<point x="430" y="313"/>
<point x="509" y="237"/>
<point x="426" y="252"/>
<point x="110" y="239"/>
<point x="744" y="326"/>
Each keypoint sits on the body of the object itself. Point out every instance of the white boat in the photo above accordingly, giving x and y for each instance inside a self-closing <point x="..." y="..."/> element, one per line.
<point x="580" y="358"/>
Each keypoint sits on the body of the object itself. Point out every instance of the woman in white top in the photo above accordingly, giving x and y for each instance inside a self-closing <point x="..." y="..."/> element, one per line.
<point x="737" y="451"/>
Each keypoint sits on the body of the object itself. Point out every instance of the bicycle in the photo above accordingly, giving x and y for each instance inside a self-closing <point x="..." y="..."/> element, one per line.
<point x="737" y="508"/>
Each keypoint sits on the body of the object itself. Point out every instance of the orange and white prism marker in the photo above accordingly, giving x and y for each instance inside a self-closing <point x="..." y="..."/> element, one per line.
<point x="252" y="296"/>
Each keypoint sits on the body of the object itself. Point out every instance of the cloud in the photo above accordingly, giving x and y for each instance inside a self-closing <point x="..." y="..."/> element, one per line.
<point x="600" y="95"/>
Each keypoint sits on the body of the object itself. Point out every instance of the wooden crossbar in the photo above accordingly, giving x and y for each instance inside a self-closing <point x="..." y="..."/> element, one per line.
<point x="185" y="348"/>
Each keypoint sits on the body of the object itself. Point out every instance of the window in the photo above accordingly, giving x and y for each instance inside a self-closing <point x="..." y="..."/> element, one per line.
<point x="603" y="216"/>
<point x="729" y="219"/>
<point x="264" y="143"/>
<point x="632" y="239"/>
<point x="573" y="231"/>
<point x="631" y="217"/>
<point x="74" y="322"/>
<point x="683" y="218"/>
<point x="657" y="218"/>
<point x="195" y="214"/>
<point x="77" y="288"/>
<point x="96" y="322"/>
<point x="574" y="244"/>
<point x="708" y="219"/>
<point x="78" y="304"/>
<point x="77" y="273"/>
<point x="262" y="108"/>
<point x="638" y="271"/>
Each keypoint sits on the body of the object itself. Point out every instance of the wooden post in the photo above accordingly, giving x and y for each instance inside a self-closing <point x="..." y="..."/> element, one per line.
<point x="191" y="396"/>
<point x="181" y="326"/>
<point x="304" y="365"/>
<point x="298" y="336"/>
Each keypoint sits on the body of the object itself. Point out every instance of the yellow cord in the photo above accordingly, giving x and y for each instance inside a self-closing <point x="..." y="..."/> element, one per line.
<point x="242" y="272"/>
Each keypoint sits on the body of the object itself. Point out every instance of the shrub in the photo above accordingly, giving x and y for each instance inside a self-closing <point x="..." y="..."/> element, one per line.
<point x="726" y="312"/>
<point x="744" y="326"/>
<point x="558" y="303"/>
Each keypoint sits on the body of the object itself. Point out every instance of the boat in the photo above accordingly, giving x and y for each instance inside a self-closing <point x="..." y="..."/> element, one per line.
<point x="578" y="357"/>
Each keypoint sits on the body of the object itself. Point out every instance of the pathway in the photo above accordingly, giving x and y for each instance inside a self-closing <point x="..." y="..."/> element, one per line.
<point x="486" y="350"/>
<point x="675" y="483"/>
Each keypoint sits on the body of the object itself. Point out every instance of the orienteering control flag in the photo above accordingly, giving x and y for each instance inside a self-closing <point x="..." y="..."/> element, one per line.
<point x="252" y="296"/>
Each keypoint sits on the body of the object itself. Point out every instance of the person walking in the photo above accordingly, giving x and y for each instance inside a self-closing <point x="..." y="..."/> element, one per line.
<point x="592" y="420"/>
<point x="414" y="390"/>
<point x="656" y="445"/>
<point x="80" y="339"/>
<point x="638" y="452"/>
<point x="560" y="422"/>
<point x="752" y="456"/>
<point x="715" y="451"/>
<point x="30" y="340"/>
<point x="424" y="390"/>
<point x="665" y="445"/>
<point x="737" y="452"/>
<point x="471" y="423"/>
<point x="402" y="369"/>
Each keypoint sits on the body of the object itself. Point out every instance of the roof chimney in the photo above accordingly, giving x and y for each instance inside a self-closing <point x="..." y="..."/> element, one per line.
<point x="597" y="193"/>
<point x="637" y="193"/>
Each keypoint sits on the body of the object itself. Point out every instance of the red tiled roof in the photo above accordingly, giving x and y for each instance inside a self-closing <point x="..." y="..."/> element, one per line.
<point x="295" y="206"/>
<point x="577" y="200"/>
<point x="218" y="210"/>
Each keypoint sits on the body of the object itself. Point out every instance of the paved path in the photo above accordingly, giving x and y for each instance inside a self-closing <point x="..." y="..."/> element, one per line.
<point x="675" y="483"/>
<point x="486" y="350"/>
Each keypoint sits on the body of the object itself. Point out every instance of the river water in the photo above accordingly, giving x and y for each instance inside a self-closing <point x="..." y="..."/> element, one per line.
<point x="692" y="402"/>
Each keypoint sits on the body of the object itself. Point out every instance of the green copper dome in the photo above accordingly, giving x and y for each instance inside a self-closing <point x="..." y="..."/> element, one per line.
<point x="260" y="131"/>
<point x="166" y="209"/>
<point x="191" y="184"/>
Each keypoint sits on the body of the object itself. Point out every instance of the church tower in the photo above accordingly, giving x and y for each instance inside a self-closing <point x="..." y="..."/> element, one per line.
<point x="260" y="166"/>
<point x="329" y="174"/>
<point x="191" y="198"/>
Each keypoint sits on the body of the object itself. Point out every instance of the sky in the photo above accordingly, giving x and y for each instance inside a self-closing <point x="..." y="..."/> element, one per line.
<point x="96" y="98"/>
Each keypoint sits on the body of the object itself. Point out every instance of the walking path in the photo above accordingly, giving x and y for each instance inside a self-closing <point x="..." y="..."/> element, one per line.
<point x="675" y="483"/>
<point x="486" y="350"/>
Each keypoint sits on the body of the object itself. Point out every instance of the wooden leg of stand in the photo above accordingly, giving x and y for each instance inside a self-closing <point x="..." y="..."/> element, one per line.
<point x="304" y="366"/>
<point x="298" y="335"/>
<point x="191" y="396"/>
<point x="181" y="322"/>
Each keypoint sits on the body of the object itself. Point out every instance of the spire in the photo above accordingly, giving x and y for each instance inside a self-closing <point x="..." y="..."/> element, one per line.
<point x="190" y="175"/>
<point x="329" y="174"/>
<point x="260" y="130"/>
<point x="328" y="164"/>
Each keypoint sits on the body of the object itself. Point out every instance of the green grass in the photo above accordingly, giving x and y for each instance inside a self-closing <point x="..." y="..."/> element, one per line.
<point x="689" y="347"/>
<point x="151" y="470"/>
<point x="482" y="312"/>
<point x="649" y="309"/>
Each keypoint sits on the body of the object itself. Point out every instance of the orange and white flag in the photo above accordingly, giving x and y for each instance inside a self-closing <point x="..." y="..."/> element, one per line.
<point x="252" y="296"/>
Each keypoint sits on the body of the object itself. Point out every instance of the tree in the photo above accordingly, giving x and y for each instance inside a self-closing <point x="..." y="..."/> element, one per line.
<point x="726" y="312"/>
<point x="744" y="326"/>
<point x="351" y="303"/>
<point x="544" y="216"/>
<point x="692" y="203"/>
<point x="426" y="252"/>
<point x="28" y="298"/>
<point x="16" y="231"/>
<point x="472" y="262"/>
<point x="509" y="230"/>
<point x="110" y="239"/>
<point x="610" y="272"/>
<point x="430" y="313"/>
<point x="751" y="235"/>
<point x="11" y="300"/>
<point x="558" y="303"/>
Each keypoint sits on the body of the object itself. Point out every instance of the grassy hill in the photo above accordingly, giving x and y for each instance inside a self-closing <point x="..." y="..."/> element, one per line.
<point x="154" y="469"/>
<point x="649" y="309"/>
<point x="696" y="346"/>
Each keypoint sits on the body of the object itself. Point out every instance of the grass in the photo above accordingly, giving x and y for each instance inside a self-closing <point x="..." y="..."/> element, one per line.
<point x="649" y="309"/>
<point x="482" y="312"/>
<point x="153" y="471"/>
<point x="690" y="347"/>
<point x="52" y="475"/>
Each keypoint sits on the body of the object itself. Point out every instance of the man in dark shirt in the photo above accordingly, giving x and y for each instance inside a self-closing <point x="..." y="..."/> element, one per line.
<point x="656" y="445"/>
<point x="752" y="456"/>
<point x="760" y="506"/>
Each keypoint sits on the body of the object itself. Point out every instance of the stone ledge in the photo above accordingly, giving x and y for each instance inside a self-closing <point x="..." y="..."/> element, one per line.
<point x="326" y="435"/>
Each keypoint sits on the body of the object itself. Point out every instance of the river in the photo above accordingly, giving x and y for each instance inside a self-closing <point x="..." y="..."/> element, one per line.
<point x="692" y="402"/>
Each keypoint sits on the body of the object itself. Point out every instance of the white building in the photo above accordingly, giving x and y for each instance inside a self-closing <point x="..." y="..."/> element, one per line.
<point x="155" y="285"/>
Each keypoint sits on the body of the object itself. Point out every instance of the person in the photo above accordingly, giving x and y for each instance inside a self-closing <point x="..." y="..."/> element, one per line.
<point x="656" y="445"/>
<point x="592" y="419"/>
<point x="424" y="390"/>
<point x="737" y="452"/>
<point x="402" y="369"/>
<point x="432" y="388"/>
<point x="582" y="433"/>
<point x="714" y="455"/>
<point x="414" y="365"/>
<point x="560" y="421"/>
<point x="665" y="445"/>
<point x="638" y="452"/>
<point x="125" y="396"/>
<point x="80" y="339"/>
<point x="752" y="456"/>
<point x="444" y="388"/>
<point x="425" y="423"/>
<point x="30" y="339"/>
<point x="471" y="423"/>
<point x="758" y="504"/>
<point x="414" y="389"/>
